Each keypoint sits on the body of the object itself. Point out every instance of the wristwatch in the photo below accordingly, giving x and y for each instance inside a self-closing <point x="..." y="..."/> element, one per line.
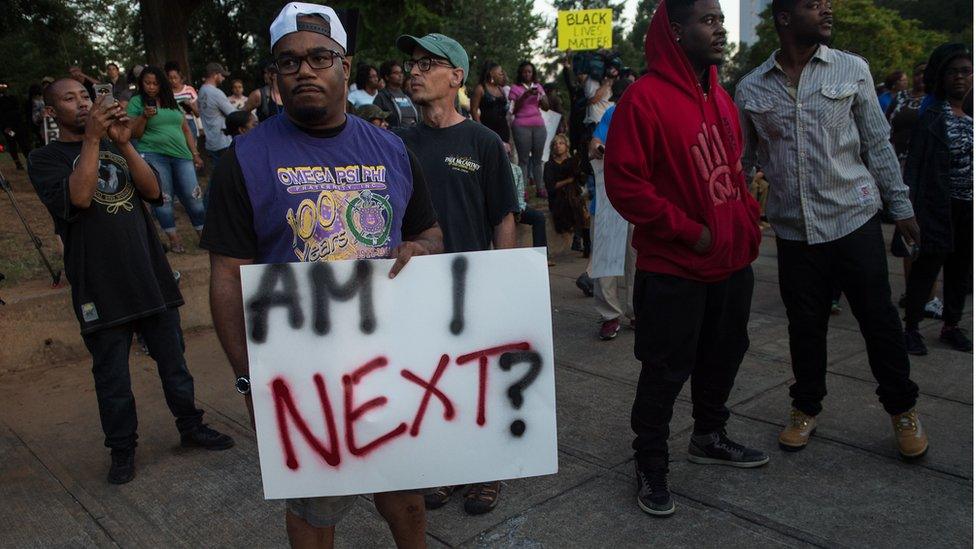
<point x="243" y="385"/>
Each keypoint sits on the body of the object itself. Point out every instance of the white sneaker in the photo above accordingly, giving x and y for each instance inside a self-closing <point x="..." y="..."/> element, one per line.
<point x="933" y="309"/>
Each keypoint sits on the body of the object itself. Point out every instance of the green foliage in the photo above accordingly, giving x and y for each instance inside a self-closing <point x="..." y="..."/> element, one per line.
<point x="638" y="33"/>
<point x="952" y="16"/>
<point x="235" y="32"/>
<point x="496" y="30"/>
<point x="43" y="37"/>
<point x="888" y="41"/>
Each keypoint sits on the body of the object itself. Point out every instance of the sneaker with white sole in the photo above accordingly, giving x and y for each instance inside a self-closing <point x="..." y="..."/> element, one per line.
<point x="609" y="329"/>
<point x="717" y="449"/>
<point x="653" y="496"/>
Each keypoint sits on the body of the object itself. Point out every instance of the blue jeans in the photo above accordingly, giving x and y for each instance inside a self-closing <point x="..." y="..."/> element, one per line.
<point x="178" y="178"/>
<point x="537" y="220"/>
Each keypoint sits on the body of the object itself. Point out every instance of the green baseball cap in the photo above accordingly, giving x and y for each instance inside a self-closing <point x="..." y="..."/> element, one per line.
<point x="371" y="111"/>
<point x="439" y="45"/>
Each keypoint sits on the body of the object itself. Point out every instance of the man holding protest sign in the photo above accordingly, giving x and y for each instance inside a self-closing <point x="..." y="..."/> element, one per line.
<point x="471" y="180"/>
<point x="314" y="184"/>
<point x="672" y="171"/>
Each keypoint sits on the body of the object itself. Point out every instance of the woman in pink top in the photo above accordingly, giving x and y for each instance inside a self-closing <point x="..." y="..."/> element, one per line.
<point x="528" y="128"/>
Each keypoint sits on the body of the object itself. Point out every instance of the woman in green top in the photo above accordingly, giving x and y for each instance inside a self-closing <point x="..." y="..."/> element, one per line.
<point x="166" y="143"/>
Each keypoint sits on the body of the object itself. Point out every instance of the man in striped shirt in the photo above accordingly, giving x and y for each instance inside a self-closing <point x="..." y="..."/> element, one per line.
<point x="811" y="121"/>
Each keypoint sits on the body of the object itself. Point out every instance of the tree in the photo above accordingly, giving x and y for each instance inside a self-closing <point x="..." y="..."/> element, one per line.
<point x="952" y="16"/>
<point x="43" y="38"/>
<point x="236" y="32"/>
<point x="638" y="33"/>
<point x="506" y="40"/>
<point x="165" y="25"/>
<point x="888" y="41"/>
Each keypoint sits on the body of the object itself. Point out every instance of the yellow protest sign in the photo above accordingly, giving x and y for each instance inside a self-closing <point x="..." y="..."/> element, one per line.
<point x="585" y="29"/>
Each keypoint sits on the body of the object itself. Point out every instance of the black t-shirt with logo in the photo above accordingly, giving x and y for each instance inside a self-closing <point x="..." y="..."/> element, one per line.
<point x="470" y="181"/>
<point x="112" y="255"/>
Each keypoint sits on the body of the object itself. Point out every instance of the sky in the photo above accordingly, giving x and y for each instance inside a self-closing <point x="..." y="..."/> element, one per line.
<point x="730" y="7"/>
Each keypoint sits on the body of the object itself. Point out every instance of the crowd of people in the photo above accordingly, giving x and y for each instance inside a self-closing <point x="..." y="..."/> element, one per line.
<point x="665" y="182"/>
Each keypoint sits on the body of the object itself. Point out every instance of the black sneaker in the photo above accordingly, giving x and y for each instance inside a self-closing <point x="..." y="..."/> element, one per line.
<point x="955" y="338"/>
<point x="585" y="284"/>
<point x="716" y="448"/>
<point x="205" y="437"/>
<point x="915" y="343"/>
<point x="123" y="468"/>
<point x="653" y="496"/>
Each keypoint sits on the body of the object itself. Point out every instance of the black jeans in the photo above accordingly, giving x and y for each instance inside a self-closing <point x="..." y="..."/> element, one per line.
<point x="857" y="264"/>
<point x="686" y="328"/>
<point x="956" y="267"/>
<point x="110" y="367"/>
<point x="537" y="220"/>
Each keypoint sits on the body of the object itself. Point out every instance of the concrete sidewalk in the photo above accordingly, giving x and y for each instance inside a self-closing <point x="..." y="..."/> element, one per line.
<point x="848" y="488"/>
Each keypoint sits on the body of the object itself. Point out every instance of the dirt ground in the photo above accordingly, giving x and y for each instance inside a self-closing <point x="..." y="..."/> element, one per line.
<point x="19" y="260"/>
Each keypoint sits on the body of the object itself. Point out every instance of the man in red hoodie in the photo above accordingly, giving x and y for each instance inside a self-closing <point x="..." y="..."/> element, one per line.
<point x="673" y="171"/>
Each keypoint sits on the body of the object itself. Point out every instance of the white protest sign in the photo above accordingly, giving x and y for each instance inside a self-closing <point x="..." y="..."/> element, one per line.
<point x="552" y="120"/>
<point x="441" y="376"/>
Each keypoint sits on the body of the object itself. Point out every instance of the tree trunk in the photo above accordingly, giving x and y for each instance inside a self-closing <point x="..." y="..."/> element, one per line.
<point x="164" y="30"/>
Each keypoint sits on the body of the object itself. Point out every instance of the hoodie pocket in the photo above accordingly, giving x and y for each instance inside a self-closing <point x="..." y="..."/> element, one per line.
<point x="837" y="105"/>
<point x="735" y="238"/>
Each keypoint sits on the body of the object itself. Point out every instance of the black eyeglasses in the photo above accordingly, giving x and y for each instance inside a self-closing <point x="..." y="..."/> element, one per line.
<point x="317" y="60"/>
<point x="424" y="64"/>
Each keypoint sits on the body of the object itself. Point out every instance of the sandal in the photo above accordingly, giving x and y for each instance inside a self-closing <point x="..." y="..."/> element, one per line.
<point x="439" y="498"/>
<point x="481" y="498"/>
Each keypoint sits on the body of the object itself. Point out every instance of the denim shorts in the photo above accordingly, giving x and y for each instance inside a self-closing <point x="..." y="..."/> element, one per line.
<point x="324" y="512"/>
<point x="321" y="512"/>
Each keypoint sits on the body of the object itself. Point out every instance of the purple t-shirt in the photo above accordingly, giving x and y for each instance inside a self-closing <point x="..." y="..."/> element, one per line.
<point x="528" y="114"/>
<point x="315" y="199"/>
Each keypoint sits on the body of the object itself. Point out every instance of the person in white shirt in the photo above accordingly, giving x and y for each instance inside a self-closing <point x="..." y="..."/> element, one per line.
<point x="367" y="86"/>
<point x="237" y="97"/>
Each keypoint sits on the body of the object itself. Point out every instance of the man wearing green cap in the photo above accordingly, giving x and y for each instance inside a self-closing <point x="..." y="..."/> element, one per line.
<point x="374" y="115"/>
<point x="468" y="174"/>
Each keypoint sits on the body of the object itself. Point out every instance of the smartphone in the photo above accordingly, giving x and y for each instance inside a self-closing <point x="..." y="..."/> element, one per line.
<point x="103" y="89"/>
<point x="601" y="148"/>
<point x="151" y="105"/>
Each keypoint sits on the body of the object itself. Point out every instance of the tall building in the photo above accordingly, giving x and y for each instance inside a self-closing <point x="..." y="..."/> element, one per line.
<point x="750" y="14"/>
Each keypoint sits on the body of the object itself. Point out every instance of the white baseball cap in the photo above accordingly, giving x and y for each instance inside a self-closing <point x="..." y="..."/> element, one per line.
<point x="287" y="22"/>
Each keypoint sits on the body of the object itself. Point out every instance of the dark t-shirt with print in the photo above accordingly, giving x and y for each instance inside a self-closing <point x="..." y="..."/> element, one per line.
<point x="112" y="256"/>
<point x="470" y="181"/>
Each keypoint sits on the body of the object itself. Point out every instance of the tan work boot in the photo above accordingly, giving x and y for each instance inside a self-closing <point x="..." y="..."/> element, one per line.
<point x="796" y="435"/>
<point x="911" y="438"/>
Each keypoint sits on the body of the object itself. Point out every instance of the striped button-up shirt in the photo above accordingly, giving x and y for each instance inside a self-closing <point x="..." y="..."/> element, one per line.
<point x="824" y="146"/>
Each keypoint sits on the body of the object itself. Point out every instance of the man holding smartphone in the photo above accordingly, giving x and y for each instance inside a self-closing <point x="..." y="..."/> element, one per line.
<point x="94" y="184"/>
